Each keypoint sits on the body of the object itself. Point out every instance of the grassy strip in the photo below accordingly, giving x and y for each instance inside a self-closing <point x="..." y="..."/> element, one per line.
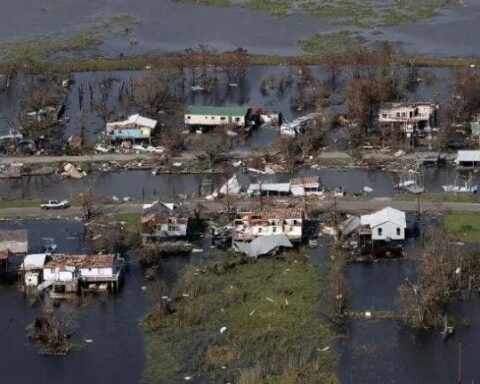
<point x="131" y="220"/>
<point x="439" y="197"/>
<point x="274" y="333"/>
<point x="141" y="62"/>
<point x="463" y="226"/>
<point x="19" y="203"/>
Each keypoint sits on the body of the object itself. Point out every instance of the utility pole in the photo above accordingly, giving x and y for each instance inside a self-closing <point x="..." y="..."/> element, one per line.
<point x="459" y="367"/>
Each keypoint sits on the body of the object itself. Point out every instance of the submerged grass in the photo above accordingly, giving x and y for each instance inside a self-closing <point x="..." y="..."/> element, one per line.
<point x="274" y="333"/>
<point x="337" y="42"/>
<point x="463" y="226"/>
<point x="352" y="13"/>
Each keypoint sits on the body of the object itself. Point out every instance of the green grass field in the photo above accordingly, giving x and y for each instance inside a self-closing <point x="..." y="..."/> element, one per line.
<point x="271" y="309"/>
<point x="463" y="226"/>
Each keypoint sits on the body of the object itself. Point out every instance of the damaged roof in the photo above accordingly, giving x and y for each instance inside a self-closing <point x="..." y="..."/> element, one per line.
<point x="80" y="261"/>
<point x="387" y="214"/>
<point x="277" y="214"/>
<point x="263" y="245"/>
<point x="307" y="180"/>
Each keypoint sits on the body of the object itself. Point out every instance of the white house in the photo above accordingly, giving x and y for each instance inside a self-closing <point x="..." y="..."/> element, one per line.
<point x="414" y="119"/>
<point x="65" y="273"/>
<point x="386" y="224"/>
<point x="250" y="225"/>
<point x="32" y="268"/>
<point x="211" y="116"/>
<point x="305" y="186"/>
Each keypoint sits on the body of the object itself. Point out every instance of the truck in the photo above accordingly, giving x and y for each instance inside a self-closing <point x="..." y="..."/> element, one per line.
<point x="55" y="204"/>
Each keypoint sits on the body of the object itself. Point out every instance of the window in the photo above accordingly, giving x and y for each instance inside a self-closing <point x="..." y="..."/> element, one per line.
<point x="223" y="118"/>
<point x="259" y="230"/>
<point x="213" y="117"/>
<point x="274" y="229"/>
<point x="384" y="115"/>
<point x="398" y="231"/>
<point x="379" y="231"/>
<point x="237" y="119"/>
<point x="398" y="114"/>
<point x="189" y="117"/>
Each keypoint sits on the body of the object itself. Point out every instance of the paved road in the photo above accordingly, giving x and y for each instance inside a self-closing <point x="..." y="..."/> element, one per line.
<point x="107" y="157"/>
<point x="342" y="206"/>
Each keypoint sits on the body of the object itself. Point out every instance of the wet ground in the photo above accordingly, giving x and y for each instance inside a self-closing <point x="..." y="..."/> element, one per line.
<point x="163" y="25"/>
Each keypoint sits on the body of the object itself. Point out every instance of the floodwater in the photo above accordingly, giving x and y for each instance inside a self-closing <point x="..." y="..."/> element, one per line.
<point x="111" y="321"/>
<point x="142" y="184"/>
<point x="163" y="25"/>
<point x="435" y="87"/>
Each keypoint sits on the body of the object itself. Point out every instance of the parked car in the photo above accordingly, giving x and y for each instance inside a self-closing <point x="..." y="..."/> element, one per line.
<point x="55" y="204"/>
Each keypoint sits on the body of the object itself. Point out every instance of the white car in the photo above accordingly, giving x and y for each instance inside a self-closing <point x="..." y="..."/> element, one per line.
<point x="55" y="204"/>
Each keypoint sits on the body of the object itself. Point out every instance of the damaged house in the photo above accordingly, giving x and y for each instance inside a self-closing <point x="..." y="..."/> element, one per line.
<point x="135" y="129"/>
<point x="306" y="186"/>
<point x="68" y="273"/>
<point x="208" y="117"/>
<point x="162" y="221"/>
<point x="13" y="247"/>
<point x="251" y="225"/>
<point x="416" y="120"/>
<point x="388" y="224"/>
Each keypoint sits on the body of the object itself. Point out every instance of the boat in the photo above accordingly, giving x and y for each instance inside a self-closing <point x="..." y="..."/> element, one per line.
<point x="467" y="187"/>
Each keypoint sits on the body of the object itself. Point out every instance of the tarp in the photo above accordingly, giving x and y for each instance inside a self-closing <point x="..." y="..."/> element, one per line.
<point x="263" y="245"/>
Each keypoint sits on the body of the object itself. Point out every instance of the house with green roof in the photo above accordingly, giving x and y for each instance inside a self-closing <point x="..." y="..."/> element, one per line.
<point x="211" y="116"/>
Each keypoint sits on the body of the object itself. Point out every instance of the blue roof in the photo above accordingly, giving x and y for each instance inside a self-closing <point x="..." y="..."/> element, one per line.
<point x="127" y="134"/>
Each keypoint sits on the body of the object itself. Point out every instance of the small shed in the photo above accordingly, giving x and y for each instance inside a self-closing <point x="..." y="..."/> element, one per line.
<point x="468" y="158"/>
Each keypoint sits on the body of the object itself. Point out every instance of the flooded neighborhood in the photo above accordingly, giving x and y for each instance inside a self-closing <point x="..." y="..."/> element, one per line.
<point x="289" y="194"/>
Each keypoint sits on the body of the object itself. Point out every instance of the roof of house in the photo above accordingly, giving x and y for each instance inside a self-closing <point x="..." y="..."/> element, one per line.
<point x="263" y="245"/>
<point x="132" y="122"/>
<point x="385" y="215"/>
<point x="273" y="187"/>
<point x="349" y="225"/>
<point x="467" y="155"/>
<point x="216" y="111"/>
<point x="277" y="214"/>
<point x="80" y="261"/>
<point x="14" y="235"/>
<point x="34" y="261"/>
<point x="304" y="181"/>
<point x="128" y="133"/>
<point x="405" y="104"/>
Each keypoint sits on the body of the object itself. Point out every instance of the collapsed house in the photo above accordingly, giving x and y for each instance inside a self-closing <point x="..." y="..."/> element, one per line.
<point x="263" y="245"/>
<point x="297" y="126"/>
<point x="65" y="274"/>
<point x="251" y="225"/>
<point x="163" y="221"/>
<point x="414" y="119"/>
<point x="231" y="187"/>
<point x="207" y="117"/>
<point x="135" y="129"/>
